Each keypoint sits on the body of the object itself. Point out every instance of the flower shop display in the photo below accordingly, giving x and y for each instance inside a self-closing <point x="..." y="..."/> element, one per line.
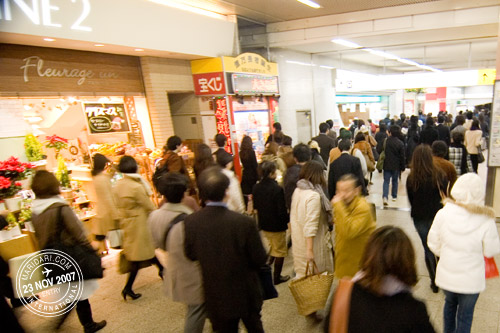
<point x="62" y="173"/>
<point x="57" y="143"/>
<point x="12" y="230"/>
<point x="33" y="148"/>
<point x="12" y="171"/>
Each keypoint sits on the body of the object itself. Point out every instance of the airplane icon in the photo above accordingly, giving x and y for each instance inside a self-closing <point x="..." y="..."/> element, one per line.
<point x="46" y="271"/>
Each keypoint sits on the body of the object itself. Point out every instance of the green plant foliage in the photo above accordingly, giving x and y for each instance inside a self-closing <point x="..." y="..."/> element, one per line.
<point x="62" y="173"/>
<point x="33" y="148"/>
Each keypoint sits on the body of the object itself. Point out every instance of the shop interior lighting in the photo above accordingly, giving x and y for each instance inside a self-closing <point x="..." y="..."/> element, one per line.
<point x="327" y="67"/>
<point x="98" y="45"/>
<point x="49" y="39"/>
<point x="299" y="63"/>
<point x="408" y="62"/>
<point x="139" y="50"/>
<point x="310" y="3"/>
<point x="382" y="54"/>
<point x="183" y="6"/>
<point x="347" y="43"/>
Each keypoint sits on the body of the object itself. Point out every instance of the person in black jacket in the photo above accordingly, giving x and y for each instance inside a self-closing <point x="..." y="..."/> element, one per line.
<point x="249" y="175"/>
<point x="220" y="154"/>
<point x="228" y="247"/>
<point x="380" y="137"/>
<point x="345" y="164"/>
<point x="325" y="142"/>
<point x="302" y="155"/>
<point x="424" y="186"/>
<point x="443" y="131"/>
<point x="269" y="201"/>
<point x="429" y="134"/>
<point x="383" y="287"/>
<point x="394" y="163"/>
<point x="413" y="138"/>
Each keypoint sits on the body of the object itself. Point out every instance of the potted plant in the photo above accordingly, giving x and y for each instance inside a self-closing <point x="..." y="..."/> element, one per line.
<point x="62" y="175"/>
<point x="12" y="230"/>
<point x="25" y="214"/>
<point x="11" y="172"/>
<point x="33" y="148"/>
<point x="57" y="143"/>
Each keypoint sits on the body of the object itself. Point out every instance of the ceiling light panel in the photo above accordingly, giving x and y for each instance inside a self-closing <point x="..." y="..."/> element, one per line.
<point x="347" y="43"/>
<point x="310" y="3"/>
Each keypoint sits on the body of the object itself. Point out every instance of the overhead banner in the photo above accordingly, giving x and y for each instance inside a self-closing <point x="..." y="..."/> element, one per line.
<point x="106" y="118"/>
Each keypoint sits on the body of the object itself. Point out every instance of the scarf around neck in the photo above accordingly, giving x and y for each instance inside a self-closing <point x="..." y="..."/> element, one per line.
<point x="139" y="178"/>
<point x="325" y="203"/>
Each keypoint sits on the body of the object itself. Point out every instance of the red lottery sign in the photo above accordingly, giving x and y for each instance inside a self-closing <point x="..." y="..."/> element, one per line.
<point x="222" y="121"/>
<point x="209" y="84"/>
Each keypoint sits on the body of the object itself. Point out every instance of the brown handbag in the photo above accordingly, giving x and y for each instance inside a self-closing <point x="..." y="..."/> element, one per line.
<point x="339" y="314"/>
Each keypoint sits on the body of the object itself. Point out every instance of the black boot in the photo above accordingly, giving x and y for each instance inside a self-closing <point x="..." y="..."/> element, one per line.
<point x="270" y="260"/>
<point x="85" y="315"/>
<point x="278" y="266"/>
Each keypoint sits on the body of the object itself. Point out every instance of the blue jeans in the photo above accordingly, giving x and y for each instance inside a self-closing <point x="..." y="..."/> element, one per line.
<point x="458" y="312"/>
<point x="423" y="227"/>
<point x="388" y="174"/>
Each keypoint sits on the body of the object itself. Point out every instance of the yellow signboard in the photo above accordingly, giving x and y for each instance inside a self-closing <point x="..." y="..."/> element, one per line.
<point x="486" y="76"/>
<point x="244" y="63"/>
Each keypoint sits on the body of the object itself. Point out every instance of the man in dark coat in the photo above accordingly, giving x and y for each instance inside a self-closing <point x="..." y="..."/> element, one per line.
<point x="220" y="154"/>
<point x="429" y="134"/>
<point x="230" y="252"/>
<point x="325" y="142"/>
<point x="301" y="154"/>
<point x="344" y="165"/>
<point x="443" y="131"/>
<point x="394" y="163"/>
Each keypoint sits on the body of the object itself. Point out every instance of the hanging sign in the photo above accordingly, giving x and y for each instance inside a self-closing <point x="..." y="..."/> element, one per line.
<point x="106" y="118"/>
<point x="254" y="84"/>
<point x="221" y="115"/>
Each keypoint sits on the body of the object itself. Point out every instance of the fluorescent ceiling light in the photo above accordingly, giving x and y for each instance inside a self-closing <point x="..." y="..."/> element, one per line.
<point x="327" y="67"/>
<point x="182" y="6"/>
<point x="429" y="68"/>
<point x="300" y="63"/>
<point x="98" y="45"/>
<point x="345" y="43"/>
<point x="382" y="54"/>
<point x="49" y="39"/>
<point x="408" y="62"/>
<point x="310" y="3"/>
<point x="139" y="50"/>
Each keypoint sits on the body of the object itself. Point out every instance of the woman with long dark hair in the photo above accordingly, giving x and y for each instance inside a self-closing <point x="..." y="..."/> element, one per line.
<point x="203" y="159"/>
<point x="472" y="141"/>
<point x="424" y="186"/>
<point x="249" y="176"/>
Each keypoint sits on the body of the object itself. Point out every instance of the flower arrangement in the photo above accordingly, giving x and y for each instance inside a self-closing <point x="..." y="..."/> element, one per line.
<point x="11" y="172"/>
<point x="56" y="142"/>
<point x="33" y="148"/>
<point x="25" y="214"/>
<point x="62" y="173"/>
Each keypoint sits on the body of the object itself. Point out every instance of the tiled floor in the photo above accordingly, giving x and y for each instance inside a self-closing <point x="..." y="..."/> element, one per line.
<point x="154" y="313"/>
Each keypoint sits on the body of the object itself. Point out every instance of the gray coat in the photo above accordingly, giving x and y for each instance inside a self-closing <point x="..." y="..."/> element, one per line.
<point x="182" y="279"/>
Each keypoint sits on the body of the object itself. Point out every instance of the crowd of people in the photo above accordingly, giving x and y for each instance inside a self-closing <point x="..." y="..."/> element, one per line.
<point x="204" y="236"/>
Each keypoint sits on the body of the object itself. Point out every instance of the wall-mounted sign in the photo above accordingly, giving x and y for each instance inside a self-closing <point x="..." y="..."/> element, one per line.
<point x="222" y="121"/>
<point x="254" y="84"/>
<point x="209" y="84"/>
<point x="27" y="69"/>
<point x="106" y="118"/>
<point x="250" y="63"/>
<point x="494" y="151"/>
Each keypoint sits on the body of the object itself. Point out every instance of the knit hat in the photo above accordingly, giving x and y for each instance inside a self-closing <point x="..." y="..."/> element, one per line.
<point x="469" y="189"/>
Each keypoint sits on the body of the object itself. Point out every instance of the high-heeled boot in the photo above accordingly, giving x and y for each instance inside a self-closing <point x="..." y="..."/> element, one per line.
<point x="278" y="266"/>
<point x="84" y="312"/>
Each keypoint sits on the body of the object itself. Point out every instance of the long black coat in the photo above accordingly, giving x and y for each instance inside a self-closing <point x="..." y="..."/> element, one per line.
<point x="326" y="143"/>
<point x="394" y="154"/>
<point x="444" y="133"/>
<point x="345" y="164"/>
<point x="249" y="175"/>
<point x="269" y="201"/>
<point x="230" y="252"/>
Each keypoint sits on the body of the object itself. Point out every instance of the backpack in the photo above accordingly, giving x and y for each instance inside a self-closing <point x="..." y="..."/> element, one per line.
<point x="159" y="172"/>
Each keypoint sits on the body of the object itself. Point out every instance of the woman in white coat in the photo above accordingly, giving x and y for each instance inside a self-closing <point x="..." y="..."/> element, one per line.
<point x="310" y="219"/>
<point x="463" y="232"/>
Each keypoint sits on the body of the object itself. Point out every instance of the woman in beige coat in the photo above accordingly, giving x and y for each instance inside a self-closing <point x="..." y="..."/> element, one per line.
<point x="132" y="198"/>
<point x="472" y="141"/>
<point x="106" y="218"/>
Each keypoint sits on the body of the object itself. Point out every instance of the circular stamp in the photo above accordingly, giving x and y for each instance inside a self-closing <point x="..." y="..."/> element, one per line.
<point x="53" y="279"/>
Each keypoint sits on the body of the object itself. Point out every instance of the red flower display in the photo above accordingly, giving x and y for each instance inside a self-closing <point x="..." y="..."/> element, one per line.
<point x="12" y="170"/>
<point x="56" y="142"/>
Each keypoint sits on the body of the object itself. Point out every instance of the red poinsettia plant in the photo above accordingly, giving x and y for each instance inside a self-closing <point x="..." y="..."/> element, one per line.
<point x="56" y="142"/>
<point x="11" y="171"/>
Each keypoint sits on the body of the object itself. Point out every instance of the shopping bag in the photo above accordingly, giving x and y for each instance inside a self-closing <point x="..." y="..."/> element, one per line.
<point x="480" y="156"/>
<point x="491" y="269"/>
<point x="311" y="291"/>
<point x="115" y="238"/>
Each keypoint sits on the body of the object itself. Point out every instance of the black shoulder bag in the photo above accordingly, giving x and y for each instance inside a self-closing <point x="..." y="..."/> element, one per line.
<point x="177" y="219"/>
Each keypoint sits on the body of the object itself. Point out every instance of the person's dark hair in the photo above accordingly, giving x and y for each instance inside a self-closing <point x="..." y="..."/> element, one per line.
<point x="220" y="140"/>
<point x="212" y="184"/>
<point x="127" y="164"/>
<point x="302" y="153"/>
<point x="440" y="119"/>
<point x="439" y="149"/>
<point x="457" y="137"/>
<point x="313" y="172"/>
<point x="429" y="122"/>
<point x="382" y="127"/>
<point x="173" y="142"/>
<point x="224" y="159"/>
<point x="402" y="116"/>
<point x="330" y="123"/>
<point x="422" y="169"/>
<point x="173" y="185"/>
<point x="202" y="158"/>
<point x="388" y="252"/>
<point x="99" y="162"/>
<point x="323" y="127"/>
<point x="287" y="140"/>
<point x="361" y="122"/>
<point x="475" y="125"/>
<point x="395" y="130"/>
<point x="469" y="115"/>
<point x="460" y="120"/>
<point x="414" y="120"/>
<point x="271" y="149"/>
<point x="369" y="121"/>
<point x="246" y="143"/>
<point x="278" y="137"/>
<point x="345" y="145"/>
<point x="266" y="169"/>
<point x="45" y="185"/>
<point x="359" y="137"/>
<point x="345" y="134"/>
<point x="350" y="178"/>
<point x="277" y="126"/>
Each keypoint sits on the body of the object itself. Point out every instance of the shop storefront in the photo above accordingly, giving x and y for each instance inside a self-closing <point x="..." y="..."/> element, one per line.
<point x="244" y="95"/>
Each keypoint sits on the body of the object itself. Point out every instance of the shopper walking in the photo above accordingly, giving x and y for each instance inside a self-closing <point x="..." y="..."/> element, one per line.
<point x="310" y="221"/>
<point x="472" y="142"/>
<point x="269" y="202"/>
<point x="271" y="154"/>
<point x="171" y="158"/>
<point x="132" y="196"/>
<point x="203" y="159"/>
<point x="220" y="153"/>
<point x="394" y="163"/>
<point x="425" y="185"/>
<point x="249" y="161"/>
<point x="344" y="165"/>
<point x="53" y="218"/>
<point x="277" y="135"/>
<point x="457" y="154"/>
<point x="182" y="281"/>
<point x="230" y="252"/>
<point x="380" y="136"/>
<point x="443" y="130"/>
<point x="383" y="286"/>
<point x="107" y="217"/>
<point x="439" y="152"/>
<point x="429" y="134"/>
<point x="285" y="152"/>
<point x="361" y="143"/>
<point x="412" y="138"/>
<point x="462" y="234"/>
<point x="234" y="196"/>
<point x="325" y="142"/>
<point x="302" y="155"/>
